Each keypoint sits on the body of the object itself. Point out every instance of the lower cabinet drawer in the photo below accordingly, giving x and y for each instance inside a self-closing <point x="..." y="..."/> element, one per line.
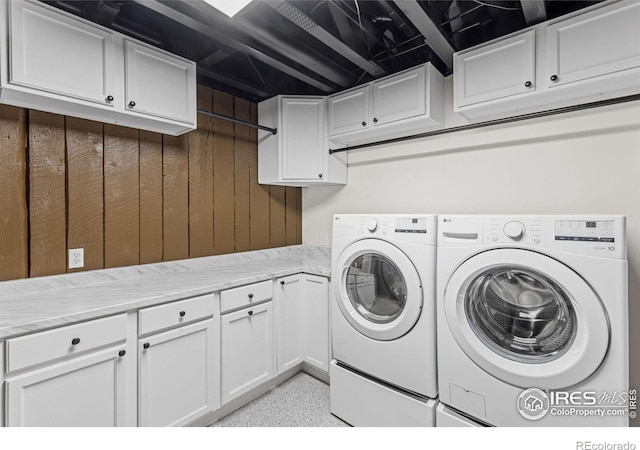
<point x="173" y="314"/>
<point x="245" y="295"/>
<point x="40" y="348"/>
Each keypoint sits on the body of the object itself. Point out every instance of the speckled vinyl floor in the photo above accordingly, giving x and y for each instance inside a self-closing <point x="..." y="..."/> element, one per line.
<point x="301" y="401"/>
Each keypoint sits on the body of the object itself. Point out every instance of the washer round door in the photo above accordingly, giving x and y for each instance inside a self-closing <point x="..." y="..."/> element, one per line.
<point x="526" y="318"/>
<point x="378" y="289"/>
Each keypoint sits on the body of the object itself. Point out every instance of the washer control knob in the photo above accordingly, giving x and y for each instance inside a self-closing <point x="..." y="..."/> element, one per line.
<point x="514" y="230"/>
<point x="372" y="225"/>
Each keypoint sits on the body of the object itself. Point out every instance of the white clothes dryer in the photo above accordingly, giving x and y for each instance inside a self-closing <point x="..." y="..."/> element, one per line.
<point x="532" y="314"/>
<point x="383" y="304"/>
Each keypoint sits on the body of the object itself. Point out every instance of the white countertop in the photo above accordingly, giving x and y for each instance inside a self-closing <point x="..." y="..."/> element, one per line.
<point x="37" y="304"/>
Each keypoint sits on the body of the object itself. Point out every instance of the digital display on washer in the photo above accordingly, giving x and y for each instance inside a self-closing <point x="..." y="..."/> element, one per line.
<point x="411" y="225"/>
<point x="585" y="230"/>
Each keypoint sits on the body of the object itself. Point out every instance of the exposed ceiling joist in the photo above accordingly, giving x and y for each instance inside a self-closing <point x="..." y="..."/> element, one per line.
<point x="233" y="82"/>
<point x="434" y="39"/>
<point x="534" y="11"/>
<point x="310" y="26"/>
<point x="233" y="43"/>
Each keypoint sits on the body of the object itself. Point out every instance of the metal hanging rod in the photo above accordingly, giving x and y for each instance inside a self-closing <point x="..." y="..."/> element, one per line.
<point x="488" y="123"/>
<point x="238" y="121"/>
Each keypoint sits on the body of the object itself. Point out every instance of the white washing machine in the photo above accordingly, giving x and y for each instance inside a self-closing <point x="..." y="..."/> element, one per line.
<point x="383" y="319"/>
<point x="532" y="319"/>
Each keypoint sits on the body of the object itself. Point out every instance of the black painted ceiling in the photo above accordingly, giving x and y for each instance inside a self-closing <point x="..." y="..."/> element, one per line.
<point x="315" y="46"/>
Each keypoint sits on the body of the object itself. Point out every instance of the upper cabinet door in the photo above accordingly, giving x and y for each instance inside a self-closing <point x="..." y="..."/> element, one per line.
<point x="349" y="111"/>
<point x="303" y="138"/>
<point x="159" y="84"/>
<point x="399" y="97"/>
<point x="54" y="52"/>
<point x="495" y="71"/>
<point x="600" y="42"/>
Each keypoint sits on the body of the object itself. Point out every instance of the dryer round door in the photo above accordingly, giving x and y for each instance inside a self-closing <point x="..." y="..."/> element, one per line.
<point x="378" y="289"/>
<point x="526" y="318"/>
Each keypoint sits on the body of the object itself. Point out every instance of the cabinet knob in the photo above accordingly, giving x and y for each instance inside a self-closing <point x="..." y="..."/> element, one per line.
<point x="375" y="120"/>
<point x="364" y="124"/>
<point x="132" y="104"/>
<point x="75" y="341"/>
<point x="182" y="313"/>
<point x="109" y="98"/>
<point x="282" y="282"/>
<point x="250" y="295"/>
<point x="250" y="313"/>
<point x="122" y="353"/>
<point x="554" y="78"/>
<point x="319" y="175"/>
<point x="146" y="345"/>
<point x="528" y="84"/>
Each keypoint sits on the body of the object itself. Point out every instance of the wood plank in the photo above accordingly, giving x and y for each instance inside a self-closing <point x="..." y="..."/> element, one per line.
<point x="258" y="195"/>
<point x="85" y="202"/>
<point x="277" y="216"/>
<point x="14" y="247"/>
<point x="242" y="167"/>
<point x="121" y="196"/>
<point x="223" y="176"/>
<point x="175" y="210"/>
<point x="201" y="180"/>
<point x="47" y="194"/>
<point x="291" y="215"/>
<point x="299" y="218"/>
<point x="150" y="197"/>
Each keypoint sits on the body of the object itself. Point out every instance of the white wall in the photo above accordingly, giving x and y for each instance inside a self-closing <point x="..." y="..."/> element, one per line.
<point x="582" y="162"/>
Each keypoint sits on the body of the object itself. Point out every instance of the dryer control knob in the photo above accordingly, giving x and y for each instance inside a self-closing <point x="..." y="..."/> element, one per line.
<point x="514" y="230"/>
<point x="372" y="225"/>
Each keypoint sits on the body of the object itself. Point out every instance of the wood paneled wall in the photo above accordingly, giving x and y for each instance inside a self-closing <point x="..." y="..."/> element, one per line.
<point x="134" y="197"/>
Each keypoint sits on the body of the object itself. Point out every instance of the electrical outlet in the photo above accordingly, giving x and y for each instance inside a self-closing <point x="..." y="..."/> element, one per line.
<point x="76" y="258"/>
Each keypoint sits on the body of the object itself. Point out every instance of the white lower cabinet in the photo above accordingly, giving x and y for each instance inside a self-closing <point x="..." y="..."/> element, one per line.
<point x="287" y="295"/>
<point x="303" y="321"/>
<point x="79" y="375"/>
<point x="315" y="321"/>
<point x="248" y="356"/>
<point x="177" y="375"/>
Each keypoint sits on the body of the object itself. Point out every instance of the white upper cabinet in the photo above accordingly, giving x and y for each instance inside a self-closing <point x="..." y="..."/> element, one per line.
<point x="349" y="111"/>
<point x="169" y="93"/>
<point x="399" y="97"/>
<point x="497" y="70"/>
<point x="57" y="53"/>
<point x="405" y="103"/>
<point x="60" y="63"/>
<point x="298" y="154"/>
<point x="590" y="45"/>
<point x="585" y="56"/>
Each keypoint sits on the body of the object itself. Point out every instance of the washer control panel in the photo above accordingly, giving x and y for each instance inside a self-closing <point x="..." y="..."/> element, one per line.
<point x="585" y="230"/>
<point x="510" y="230"/>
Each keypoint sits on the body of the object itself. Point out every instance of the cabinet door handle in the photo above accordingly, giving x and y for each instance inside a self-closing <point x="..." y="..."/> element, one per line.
<point x="122" y="353"/>
<point x="319" y="175"/>
<point x="182" y="313"/>
<point x="364" y="124"/>
<point x="75" y="341"/>
<point x="250" y="313"/>
<point x="282" y="282"/>
<point x="375" y="120"/>
<point x="146" y="345"/>
<point x="554" y="78"/>
<point x="528" y="84"/>
<point x="109" y="98"/>
<point x="250" y="295"/>
<point x="132" y="104"/>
